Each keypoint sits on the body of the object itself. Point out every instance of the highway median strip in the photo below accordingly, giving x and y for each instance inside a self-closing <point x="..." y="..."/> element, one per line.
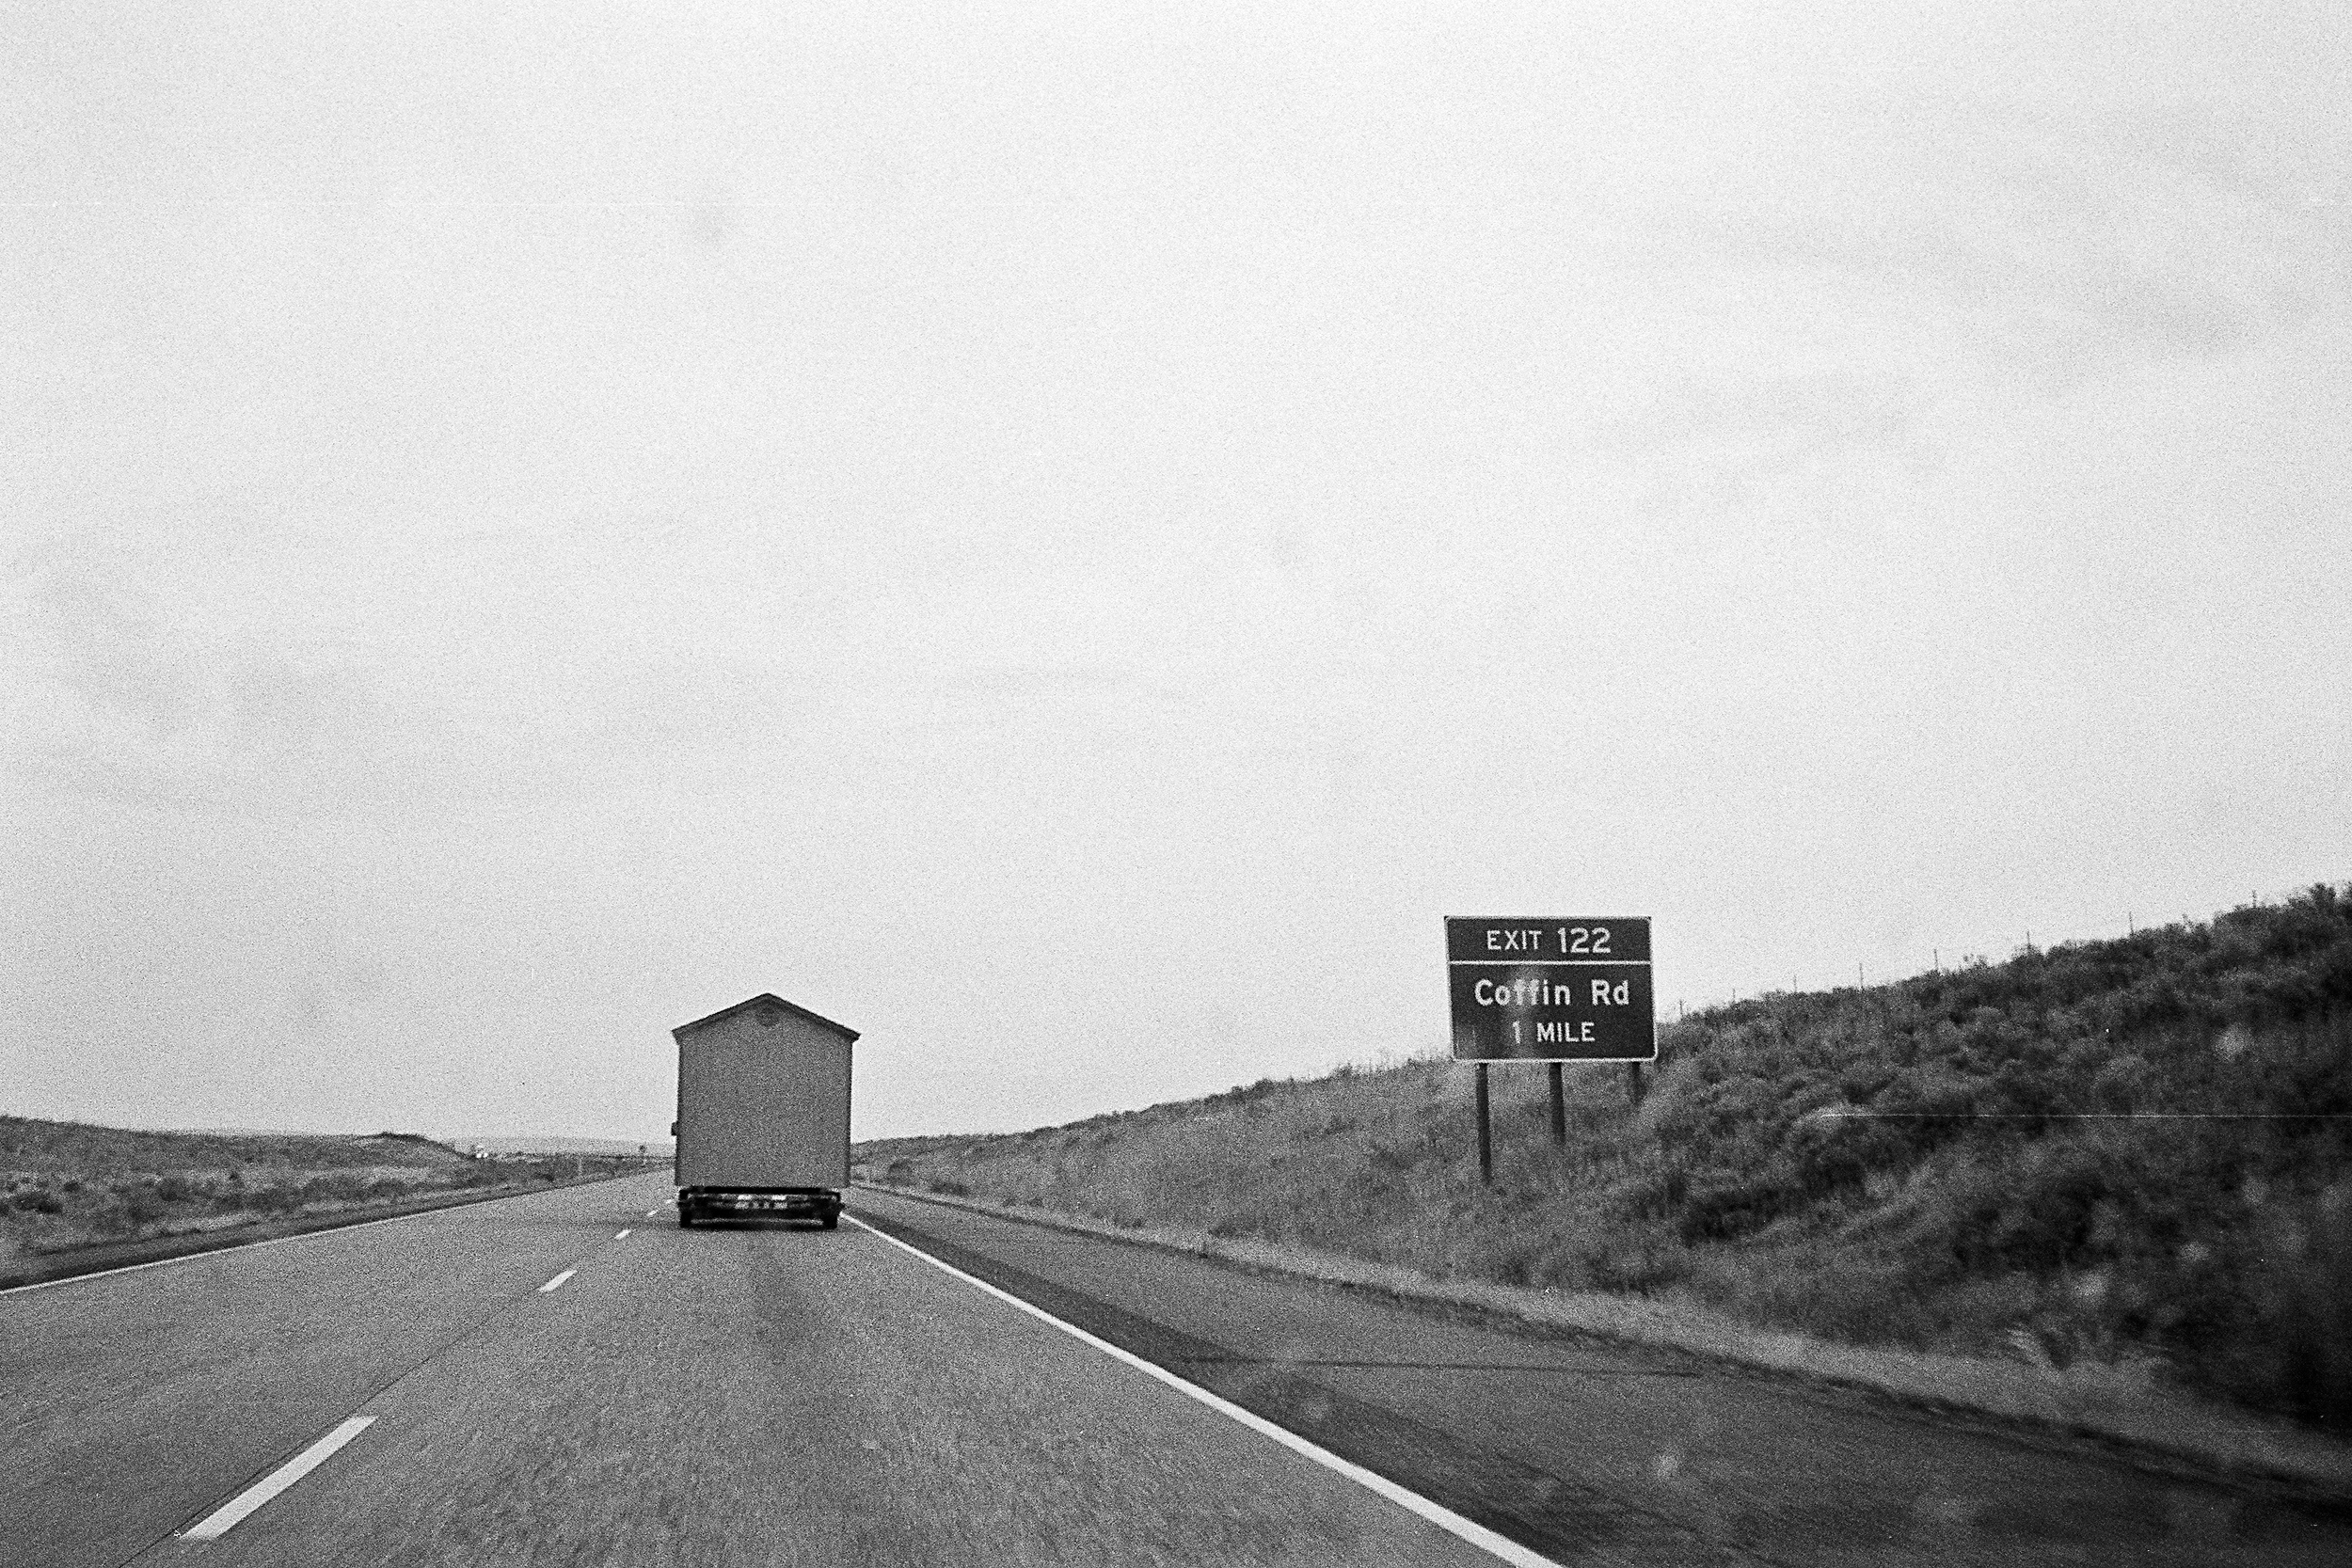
<point x="46" y="1270"/>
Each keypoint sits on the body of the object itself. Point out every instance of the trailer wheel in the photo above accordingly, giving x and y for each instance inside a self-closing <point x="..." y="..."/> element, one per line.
<point x="831" y="1222"/>
<point x="685" y="1218"/>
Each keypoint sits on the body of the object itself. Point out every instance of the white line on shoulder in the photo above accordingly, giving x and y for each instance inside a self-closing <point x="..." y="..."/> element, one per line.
<point x="1438" y="1514"/>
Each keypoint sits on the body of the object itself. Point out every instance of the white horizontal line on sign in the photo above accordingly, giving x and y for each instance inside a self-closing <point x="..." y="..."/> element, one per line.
<point x="1554" y="1061"/>
<point x="222" y="1519"/>
<point x="1549" y="963"/>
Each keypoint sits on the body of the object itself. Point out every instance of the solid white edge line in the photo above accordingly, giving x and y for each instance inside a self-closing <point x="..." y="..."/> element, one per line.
<point x="557" y="1280"/>
<point x="222" y="1519"/>
<point x="1438" y="1514"/>
<point x="250" y="1246"/>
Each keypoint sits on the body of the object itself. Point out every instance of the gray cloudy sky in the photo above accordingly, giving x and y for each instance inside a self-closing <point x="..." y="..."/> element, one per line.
<point x="1069" y="538"/>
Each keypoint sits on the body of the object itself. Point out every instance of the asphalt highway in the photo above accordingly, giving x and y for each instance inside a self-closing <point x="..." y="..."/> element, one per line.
<point x="520" y="1382"/>
<point x="769" y="1396"/>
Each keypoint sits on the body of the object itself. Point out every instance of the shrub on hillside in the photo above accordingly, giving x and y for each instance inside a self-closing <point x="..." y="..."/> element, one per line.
<point x="176" y="1188"/>
<point x="2308" y="1293"/>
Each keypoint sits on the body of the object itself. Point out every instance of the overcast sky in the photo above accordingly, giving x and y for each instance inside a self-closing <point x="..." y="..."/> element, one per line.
<point x="1069" y="538"/>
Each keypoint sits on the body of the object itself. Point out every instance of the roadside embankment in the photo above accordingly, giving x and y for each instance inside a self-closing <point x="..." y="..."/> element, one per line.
<point x="2099" y="1176"/>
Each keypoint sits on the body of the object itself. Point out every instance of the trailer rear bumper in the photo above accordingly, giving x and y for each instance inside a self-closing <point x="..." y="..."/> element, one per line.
<point x="696" y="1204"/>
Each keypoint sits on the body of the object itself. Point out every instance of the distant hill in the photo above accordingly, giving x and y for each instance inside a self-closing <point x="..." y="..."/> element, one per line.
<point x="67" y="1185"/>
<point x="550" y="1143"/>
<point x="30" y="1144"/>
<point x="2135" y="1151"/>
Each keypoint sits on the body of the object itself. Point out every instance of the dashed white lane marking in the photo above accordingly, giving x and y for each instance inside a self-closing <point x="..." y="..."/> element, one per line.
<point x="221" y="1520"/>
<point x="557" y="1280"/>
<point x="1444" y="1518"/>
<point x="651" y="1212"/>
<point x="618" y="1234"/>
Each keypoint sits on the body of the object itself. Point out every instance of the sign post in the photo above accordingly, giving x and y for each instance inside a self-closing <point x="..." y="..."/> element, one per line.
<point x="1553" y="990"/>
<point x="1486" y="1138"/>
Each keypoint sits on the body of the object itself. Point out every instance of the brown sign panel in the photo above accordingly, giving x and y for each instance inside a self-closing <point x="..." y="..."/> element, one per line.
<point x="1571" y="989"/>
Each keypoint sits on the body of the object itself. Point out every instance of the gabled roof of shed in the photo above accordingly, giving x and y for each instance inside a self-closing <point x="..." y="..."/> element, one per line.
<point x="773" y="999"/>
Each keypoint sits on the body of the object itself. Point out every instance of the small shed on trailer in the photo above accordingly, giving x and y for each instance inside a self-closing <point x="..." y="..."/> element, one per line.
<point x="763" y="1099"/>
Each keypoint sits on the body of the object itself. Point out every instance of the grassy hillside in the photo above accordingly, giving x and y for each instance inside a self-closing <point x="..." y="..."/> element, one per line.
<point x="79" y="1147"/>
<point x="2133" y="1151"/>
<point x="68" y="1184"/>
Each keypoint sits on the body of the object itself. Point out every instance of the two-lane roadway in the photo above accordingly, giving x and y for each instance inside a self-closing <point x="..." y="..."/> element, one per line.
<point x="694" y="1397"/>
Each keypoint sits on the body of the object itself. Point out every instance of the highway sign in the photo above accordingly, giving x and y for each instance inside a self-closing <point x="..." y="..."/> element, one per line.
<point x="1572" y="988"/>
